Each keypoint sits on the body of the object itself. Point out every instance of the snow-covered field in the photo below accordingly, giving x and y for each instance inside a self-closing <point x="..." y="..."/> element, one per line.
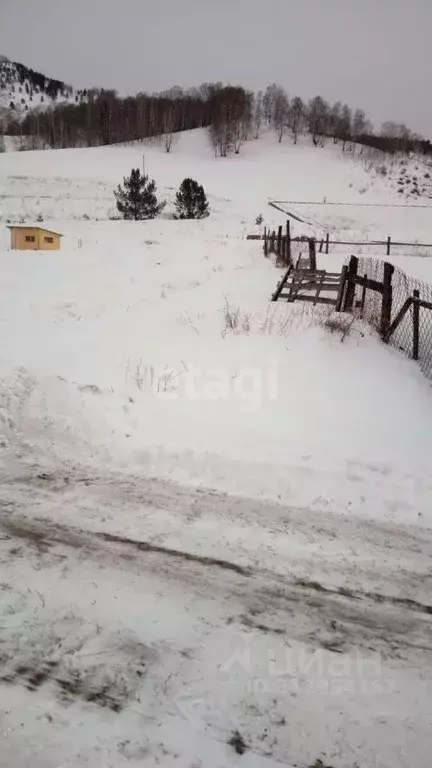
<point x="143" y="365"/>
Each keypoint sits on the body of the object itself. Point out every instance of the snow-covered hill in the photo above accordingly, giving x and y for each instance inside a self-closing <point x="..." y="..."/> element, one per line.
<point x="77" y="184"/>
<point x="147" y="620"/>
<point x="23" y="89"/>
<point x="122" y="280"/>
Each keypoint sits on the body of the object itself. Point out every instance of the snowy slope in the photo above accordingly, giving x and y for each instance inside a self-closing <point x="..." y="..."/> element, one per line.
<point x="189" y="472"/>
<point x="87" y="317"/>
<point x="78" y="183"/>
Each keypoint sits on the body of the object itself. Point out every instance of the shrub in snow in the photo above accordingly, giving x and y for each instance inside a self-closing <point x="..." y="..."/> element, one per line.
<point x="235" y="321"/>
<point x="259" y="220"/>
<point x="340" y="324"/>
<point x="137" y="198"/>
<point x="191" y="201"/>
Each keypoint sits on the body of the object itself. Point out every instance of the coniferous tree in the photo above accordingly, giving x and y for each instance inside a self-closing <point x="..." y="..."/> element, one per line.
<point x="137" y="198"/>
<point x="191" y="201"/>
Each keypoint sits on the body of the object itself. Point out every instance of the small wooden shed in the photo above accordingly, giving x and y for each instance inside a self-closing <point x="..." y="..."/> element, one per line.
<point x="25" y="237"/>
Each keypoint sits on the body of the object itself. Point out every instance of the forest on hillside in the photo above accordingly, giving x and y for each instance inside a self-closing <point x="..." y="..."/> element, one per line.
<point x="232" y="115"/>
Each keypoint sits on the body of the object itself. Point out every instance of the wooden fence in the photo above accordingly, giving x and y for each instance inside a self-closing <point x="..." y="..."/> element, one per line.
<point x="325" y="242"/>
<point x="285" y="247"/>
<point x="351" y="278"/>
<point x="281" y="242"/>
<point x="387" y="244"/>
<point x="311" y="285"/>
<point x="399" y="306"/>
<point x="393" y="308"/>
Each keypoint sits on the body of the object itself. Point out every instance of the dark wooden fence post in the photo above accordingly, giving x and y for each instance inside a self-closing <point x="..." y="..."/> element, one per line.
<point x="342" y="284"/>
<point x="388" y="245"/>
<point x="416" y="325"/>
<point x="265" y="241"/>
<point x="279" y="244"/>
<point x="363" y="298"/>
<point x="312" y="254"/>
<point x="351" y="284"/>
<point x="282" y="284"/>
<point x="387" y="299"/>
<point x="288" y="243"/>
<point x="327" y="242"/>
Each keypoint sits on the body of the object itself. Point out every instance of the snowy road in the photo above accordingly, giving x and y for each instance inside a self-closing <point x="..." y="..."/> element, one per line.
<point x="145" y="623"/>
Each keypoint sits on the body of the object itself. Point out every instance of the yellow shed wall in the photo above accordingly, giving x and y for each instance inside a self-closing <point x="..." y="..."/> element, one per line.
<point x="18" y="240"/>
<point x="19" y="235"/>
<point x="44" y="246"/>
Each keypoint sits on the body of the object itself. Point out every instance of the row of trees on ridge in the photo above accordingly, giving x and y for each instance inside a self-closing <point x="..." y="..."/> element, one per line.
<point x="232" y="114"/>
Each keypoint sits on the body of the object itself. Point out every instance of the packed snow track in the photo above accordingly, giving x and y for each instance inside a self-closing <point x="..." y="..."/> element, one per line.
<point x="158" y="642"/>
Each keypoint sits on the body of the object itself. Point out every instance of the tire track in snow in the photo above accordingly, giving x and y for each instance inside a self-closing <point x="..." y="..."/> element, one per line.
<point x="337" y="619"/>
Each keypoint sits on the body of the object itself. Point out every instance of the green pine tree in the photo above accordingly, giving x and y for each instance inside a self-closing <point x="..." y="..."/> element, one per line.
<point x="137" y="198"/>
<point x="191" y="201"/>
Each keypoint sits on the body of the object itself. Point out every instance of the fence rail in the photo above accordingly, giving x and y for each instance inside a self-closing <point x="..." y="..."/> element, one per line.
<point x="273" y="203"/>
<point x="388" y="244"/>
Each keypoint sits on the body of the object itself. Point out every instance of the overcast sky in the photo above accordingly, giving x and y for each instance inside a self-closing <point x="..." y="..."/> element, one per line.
<point x="375" y="54"/>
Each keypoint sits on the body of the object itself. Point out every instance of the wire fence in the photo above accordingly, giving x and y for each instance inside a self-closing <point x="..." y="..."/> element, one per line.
<point x="403" y="287"/>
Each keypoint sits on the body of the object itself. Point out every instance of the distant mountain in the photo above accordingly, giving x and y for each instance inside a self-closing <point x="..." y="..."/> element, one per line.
<point x="23" y="89"/>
